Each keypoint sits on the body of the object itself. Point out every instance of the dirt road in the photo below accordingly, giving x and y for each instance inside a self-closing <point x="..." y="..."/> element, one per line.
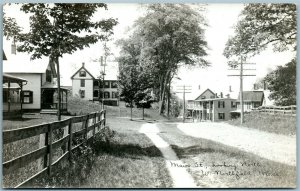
<point x="279" y="148"/>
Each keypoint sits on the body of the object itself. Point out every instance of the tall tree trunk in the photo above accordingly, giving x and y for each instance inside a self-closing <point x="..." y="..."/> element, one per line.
<point x="168" y="101"/>
<point x="58" y="89"/>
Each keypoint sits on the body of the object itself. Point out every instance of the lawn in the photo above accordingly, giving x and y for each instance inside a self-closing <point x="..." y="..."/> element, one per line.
<point x="212" y="164"/>
<point x="273" y="123"/>
<point x="130" y="160"/>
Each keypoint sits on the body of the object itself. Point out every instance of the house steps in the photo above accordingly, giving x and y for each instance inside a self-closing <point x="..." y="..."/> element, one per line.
<point x="48" y="111"/>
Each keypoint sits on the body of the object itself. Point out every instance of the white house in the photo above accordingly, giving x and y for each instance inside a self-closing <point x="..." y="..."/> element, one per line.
<point x="210" y="106"/>
<point x="87" y="82"/>
<point x="40" y="91"/>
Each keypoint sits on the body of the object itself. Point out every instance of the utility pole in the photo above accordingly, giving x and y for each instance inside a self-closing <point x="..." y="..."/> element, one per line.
<point x="241" y="75"/>
<point x="185" y="89"/>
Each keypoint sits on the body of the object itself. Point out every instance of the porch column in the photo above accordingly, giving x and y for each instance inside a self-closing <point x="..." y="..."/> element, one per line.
<point x="21" y="98"/>
<point x="8" y="96"/>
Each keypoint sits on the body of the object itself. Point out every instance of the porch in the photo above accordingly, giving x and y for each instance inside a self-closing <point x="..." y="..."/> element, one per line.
<point x="12" y="99"/>
<point x="49" y="99"/>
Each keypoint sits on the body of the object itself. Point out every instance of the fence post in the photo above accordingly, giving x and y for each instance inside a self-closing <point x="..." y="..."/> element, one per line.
<point x="104" y="115"/>
<point x="70" y="139"/>
<point x="94" y="122"/>
<point x="43" y="142"/>
<point x="50" y="149"/>
<point x="86" y="126"/>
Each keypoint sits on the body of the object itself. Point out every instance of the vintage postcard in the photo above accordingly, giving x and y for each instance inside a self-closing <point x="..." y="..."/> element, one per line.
<point x="161" y="95"/>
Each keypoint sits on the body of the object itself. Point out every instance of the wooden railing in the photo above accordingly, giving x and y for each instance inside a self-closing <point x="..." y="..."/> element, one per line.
<point x="47" y="150"/>
<point x="288" y="110"/>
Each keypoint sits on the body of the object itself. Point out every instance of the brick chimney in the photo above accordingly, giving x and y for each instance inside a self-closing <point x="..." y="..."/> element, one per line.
<point x="221" y="94"/>
<point x="82" y="64"/>
<point x="230" y="89"/>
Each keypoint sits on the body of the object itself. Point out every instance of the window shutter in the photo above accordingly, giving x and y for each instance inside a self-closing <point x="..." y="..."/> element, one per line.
<point x="30" y="97"/>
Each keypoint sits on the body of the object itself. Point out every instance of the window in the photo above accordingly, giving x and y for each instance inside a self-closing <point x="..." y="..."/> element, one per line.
<point x="106" y="94"/>
<point x="96" y="93"/>
<point x="221" y="116"/>
<point x="82" y="93"/>
<point x="82" y="74"/>
<point x="96" y="83"/>
<point x="114" y="95"/>
<point x="82" y="83"/>
<point x="203" y="97"/>
<point x="48" y="76"/>
<point x="27" y="97"/>
<point x="221" y="104"/>
<point x="106" y="84"/>
<point x="233" y="104"/>
<point x="114" y="85"/>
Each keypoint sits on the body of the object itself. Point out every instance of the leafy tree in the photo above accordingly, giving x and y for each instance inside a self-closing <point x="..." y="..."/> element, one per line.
<point x="282" y="84"/>
<point x="261" y="25"/>
<point x="170" y="35"/>
<point x="133" y="77"/>
<point x="58" y="29"/>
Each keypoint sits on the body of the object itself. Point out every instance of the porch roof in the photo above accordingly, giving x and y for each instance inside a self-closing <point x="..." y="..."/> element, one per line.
<point x="12" y="79"/>
<point x="48" y="85"/>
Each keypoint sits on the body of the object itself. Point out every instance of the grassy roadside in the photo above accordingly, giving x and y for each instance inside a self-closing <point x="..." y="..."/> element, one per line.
<point x="130" y="160"/>
<point x="213" y="164"/>
<point x="279" y="124"/>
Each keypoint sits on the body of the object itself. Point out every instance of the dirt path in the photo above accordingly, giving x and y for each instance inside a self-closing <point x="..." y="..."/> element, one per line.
<point x="181" y="178"/>
<point x="271" y="146"/>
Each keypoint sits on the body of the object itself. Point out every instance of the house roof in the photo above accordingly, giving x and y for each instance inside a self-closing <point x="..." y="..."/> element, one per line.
<point x="94" y="69"/>
<point x="21" y="63"/>
<point x="199" y="97"/>
<point x="12" y="79"/>
<point x="257" y="96"/>
<point x="48" y="85"/>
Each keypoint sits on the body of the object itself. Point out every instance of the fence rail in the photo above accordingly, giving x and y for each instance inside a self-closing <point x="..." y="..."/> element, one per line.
<point x="46" y="151"/>
<point x="287" y="110"/>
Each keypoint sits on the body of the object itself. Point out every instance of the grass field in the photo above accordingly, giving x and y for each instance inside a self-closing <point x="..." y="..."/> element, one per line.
<point x="130" y="160"/>
<point x="260" y="173"/>
<point x="278" y="123"/>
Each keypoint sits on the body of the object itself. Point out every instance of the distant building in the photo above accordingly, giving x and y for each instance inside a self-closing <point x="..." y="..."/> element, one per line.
<point x="210" y="106"/>
<point x="252" y="100"/>
<point x="87" y="83"/>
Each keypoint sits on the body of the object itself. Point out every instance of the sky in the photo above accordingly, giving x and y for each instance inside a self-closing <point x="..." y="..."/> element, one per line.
<point x="220" y="17"/>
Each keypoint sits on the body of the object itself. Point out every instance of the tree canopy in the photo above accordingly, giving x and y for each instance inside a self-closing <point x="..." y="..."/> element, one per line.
<point x="169" y="35"/>
<point x="282" y="84"/>
<point x="58" y="29"/>
<point x="261" y="25"/>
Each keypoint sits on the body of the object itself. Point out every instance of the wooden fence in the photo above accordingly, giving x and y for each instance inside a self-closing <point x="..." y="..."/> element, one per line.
<point x="97" y="123"/>
<point x="287" y="110"/>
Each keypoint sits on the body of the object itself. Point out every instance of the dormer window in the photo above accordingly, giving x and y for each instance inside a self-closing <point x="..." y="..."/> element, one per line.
<point x="82" y="74"/>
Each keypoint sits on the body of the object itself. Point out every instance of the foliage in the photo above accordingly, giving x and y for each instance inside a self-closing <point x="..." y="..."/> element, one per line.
<point x="61" y="28"/>
<point x="168" y="36"/>
<point x="143" y="99"/>
<point x="133" y="77"/>
<point x="10" y="27"/>
<point x="282" y="84"/>
<point x="261" y="25"/>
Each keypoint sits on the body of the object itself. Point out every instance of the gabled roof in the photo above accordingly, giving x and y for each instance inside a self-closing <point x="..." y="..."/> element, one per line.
<point x="253" y="96"/>
<point x="82" y="67"/>
<point x="94" y="69"/>
<point x="199" y="97"/>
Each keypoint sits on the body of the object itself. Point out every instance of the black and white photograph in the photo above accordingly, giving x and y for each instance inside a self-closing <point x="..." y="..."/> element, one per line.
<point x="149" y="95"/>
